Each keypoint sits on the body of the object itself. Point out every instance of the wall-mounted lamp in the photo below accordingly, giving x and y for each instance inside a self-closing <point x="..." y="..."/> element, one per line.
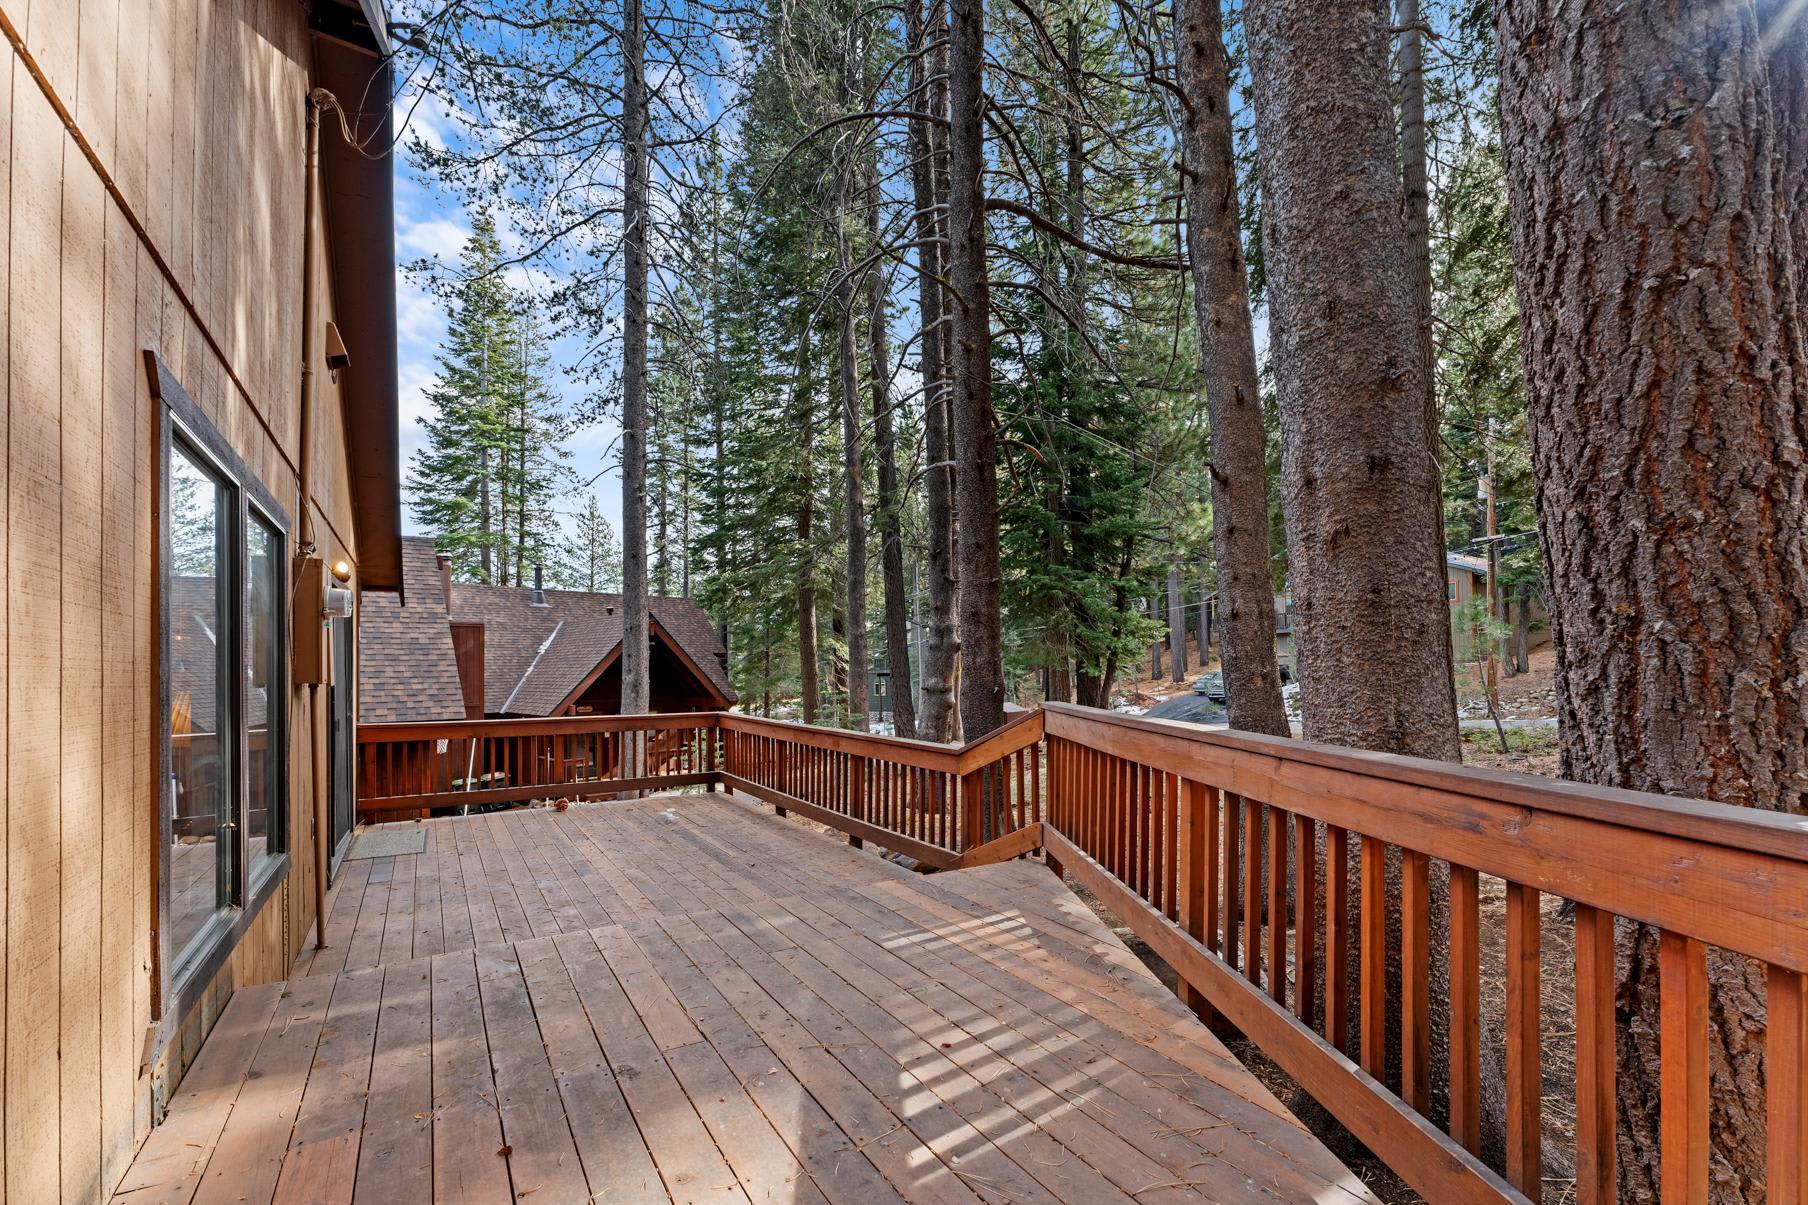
<point x="342" y="570"/>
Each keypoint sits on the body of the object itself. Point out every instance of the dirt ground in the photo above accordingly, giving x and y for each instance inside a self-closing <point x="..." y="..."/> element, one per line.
<point x="1147" y="692"/>
<point x="1530" y="695"/>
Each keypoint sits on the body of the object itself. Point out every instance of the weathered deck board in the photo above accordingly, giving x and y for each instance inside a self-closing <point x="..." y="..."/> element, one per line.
<point x="687" y="999"/>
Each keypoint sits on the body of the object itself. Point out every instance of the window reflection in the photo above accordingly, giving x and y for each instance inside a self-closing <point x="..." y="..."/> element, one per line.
<point x="263" y="692"/>
<point x="200" y="715"/>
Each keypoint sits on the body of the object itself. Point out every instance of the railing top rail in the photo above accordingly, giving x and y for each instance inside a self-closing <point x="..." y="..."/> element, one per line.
<point x="1018" y="733"/>
<point x="1745" y="829"/>
<point x="928" y="754"/>
<point x="422" y="730"/>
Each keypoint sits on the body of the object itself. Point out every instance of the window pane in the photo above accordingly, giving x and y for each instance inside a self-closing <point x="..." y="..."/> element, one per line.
<point x="264" y="691"/>
<point x="200" y="714"/>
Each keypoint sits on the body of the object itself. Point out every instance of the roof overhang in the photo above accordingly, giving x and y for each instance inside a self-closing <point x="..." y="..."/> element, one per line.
<point x="351" y="48"/>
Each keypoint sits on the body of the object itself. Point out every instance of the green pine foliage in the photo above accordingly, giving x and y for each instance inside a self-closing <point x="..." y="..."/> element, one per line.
<point x="589" y="555"/>
<point x="493" y="464"/>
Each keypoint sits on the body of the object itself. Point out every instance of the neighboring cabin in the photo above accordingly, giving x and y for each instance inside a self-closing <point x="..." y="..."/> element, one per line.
<point x="1465" y="579"/>
<point x="453" y="650"/>
<point x="165" y="267"/>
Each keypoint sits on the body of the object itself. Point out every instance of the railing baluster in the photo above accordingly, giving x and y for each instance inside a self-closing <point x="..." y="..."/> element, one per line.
<point x="1195" y="847"/>
<point x="1142" y="817"/>
<point x="1305" y="919"/>
<point x="1786" y="1082"/>
<point x="1683" y="1076"/>
<point x="1372" y="951"/>
<point x="1252" y="890"/>
<point x="1466" y="1009"/>
<point x="1214" y="866"/>
<point x="1233" y="863"/>
<point x="1415" y="979"/>
<point x="1170" y="791"/>
<point x="1525" y="1153"/>
<point x="1338" y="938"/>
<point x="1595" y="1057"/>
<point x="1277" y="905"/>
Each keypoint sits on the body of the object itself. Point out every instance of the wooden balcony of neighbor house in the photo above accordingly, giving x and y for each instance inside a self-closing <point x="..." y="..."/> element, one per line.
<point x="685" y="995"/>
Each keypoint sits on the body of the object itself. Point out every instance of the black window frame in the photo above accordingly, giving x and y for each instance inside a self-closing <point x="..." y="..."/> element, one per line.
<point x="184" y="973"/>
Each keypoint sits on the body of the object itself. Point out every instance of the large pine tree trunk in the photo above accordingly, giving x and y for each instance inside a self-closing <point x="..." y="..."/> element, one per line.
<point x="1359" y="471"/>
<point x="1418" y="195"/>
<point x="853" y="468"/>
<point x="973" y="428"/>
<point x="634" y="656"/>
<point x="807" y="666"/>
<point x="1177" y="642"/>
<point x="1239" y="467"/>
<point x="890" y="516"/>
<point x="1665" y="377"/>
<point x="941" y="646"/>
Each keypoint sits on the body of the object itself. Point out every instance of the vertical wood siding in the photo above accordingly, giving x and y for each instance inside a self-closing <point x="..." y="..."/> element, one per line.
<point x="186" y="240"/>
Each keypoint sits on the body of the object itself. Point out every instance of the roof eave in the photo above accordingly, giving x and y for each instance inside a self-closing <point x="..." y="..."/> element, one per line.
<point x="359" y="216"/>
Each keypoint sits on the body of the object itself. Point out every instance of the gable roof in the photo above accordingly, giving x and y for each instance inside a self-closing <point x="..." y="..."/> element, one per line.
<point x="536" y="655"/>
<point x="1467" y="563"/>
<point x="406" y="667"/>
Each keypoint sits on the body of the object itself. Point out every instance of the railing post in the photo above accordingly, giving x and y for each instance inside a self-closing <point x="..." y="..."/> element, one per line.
<point x="973" y="809"/>
<point x="716" y="743"/>
<point x="1054" y="802"/>
<point x="1192" y="881"/>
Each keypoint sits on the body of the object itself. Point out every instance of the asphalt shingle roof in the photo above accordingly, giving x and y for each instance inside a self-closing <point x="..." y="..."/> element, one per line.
<point x="406" y="668"/>
<point x="536" y="655"/>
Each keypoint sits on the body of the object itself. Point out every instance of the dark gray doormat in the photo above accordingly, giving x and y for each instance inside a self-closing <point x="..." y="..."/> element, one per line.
<point x="388" y="843"/>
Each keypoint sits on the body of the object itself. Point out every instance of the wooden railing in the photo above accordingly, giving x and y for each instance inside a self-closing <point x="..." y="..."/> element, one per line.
<point x="932" y="802"/>
<point x="411" y="769"/>
<point x="1230" y="854"/>
<point x="1255" y="867"/>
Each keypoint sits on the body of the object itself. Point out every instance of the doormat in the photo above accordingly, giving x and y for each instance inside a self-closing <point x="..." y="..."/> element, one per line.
<point x="388" y="843"/>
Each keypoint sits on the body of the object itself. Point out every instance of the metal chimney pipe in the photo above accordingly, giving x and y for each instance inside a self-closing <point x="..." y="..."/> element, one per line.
<point x="539" y="588"/>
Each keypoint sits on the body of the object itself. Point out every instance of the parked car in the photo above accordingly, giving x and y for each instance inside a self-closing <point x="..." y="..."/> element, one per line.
<point x="1211" y="686"/>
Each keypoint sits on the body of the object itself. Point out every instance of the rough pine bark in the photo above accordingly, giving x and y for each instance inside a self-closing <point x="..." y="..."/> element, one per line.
<point x="941" y="645"/>
<point x="635" y="634"/>
<point x="973" y="427"/>
<point x="1233" y="398"/>
<point x="1359" y="474"/>
<point x="890" y="513"/>
<point x="1665" y="374"/>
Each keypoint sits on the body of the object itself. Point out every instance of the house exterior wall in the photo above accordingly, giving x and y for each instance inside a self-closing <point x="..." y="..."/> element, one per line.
<point x="152" y="161"/>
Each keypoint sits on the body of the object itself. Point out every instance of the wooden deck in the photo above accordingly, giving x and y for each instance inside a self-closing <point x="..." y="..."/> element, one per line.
<point x="686" y="998"/>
